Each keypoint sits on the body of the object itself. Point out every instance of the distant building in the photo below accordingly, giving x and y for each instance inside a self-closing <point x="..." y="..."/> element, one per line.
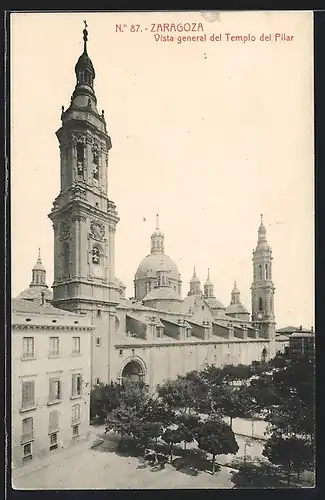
<point x="50" y="378"/>
<point x="282" y="343"/>
<point x="302" y="344"/>
<point x="287" y="330"/>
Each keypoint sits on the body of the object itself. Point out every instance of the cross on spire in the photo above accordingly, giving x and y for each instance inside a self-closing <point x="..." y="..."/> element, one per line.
<point x="157" y="219"/>
<point x="85" y="36"/>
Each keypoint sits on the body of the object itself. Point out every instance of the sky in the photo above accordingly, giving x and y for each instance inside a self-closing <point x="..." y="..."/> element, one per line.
<point x="212" y="134"/>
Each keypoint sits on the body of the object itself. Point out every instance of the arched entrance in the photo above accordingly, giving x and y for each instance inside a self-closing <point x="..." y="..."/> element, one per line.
<point x="133" y="371"/>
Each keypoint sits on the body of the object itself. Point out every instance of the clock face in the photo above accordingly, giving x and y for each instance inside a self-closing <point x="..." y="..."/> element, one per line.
<point x="260" y="316"/>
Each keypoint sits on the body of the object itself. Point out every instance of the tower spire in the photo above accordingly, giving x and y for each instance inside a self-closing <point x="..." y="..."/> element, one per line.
<point x="157" y="238"/>
<point x="208" y="287"/>
<point x="195" y="285"/>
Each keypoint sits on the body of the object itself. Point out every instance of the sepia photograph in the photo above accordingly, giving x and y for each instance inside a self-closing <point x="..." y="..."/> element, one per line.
<point x="162" y="250"/>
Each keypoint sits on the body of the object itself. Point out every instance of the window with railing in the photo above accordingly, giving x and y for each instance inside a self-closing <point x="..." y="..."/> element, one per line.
<point x="28" y="348"/>
<point x="76" y="385"/>
<point x="75" y="431"/>
<point x="54" y="347"/>
<point x="76" y="345"/>
<point x="53" y="441"/>
<point x="27" y="452"/>
<point x="28" y="395"/>
<point x="27" y="430"/>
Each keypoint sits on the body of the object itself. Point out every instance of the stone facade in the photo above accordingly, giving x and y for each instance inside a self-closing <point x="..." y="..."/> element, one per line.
<point x="50" y="351"/>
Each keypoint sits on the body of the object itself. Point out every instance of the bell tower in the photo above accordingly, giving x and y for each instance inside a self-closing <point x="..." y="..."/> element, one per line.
<point x="84" y="219"/>
<point x="263" y="289"/>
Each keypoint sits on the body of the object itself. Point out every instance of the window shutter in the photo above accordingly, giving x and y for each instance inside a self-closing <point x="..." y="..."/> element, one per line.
<point x="53" y="421"/>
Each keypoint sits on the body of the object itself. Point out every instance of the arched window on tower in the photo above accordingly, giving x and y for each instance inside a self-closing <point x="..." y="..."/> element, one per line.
<point x="95" y="165"/>
<point x="80" y="158"/>
<point x="260" y="304"/>
<point x="66" y="259"/>
<point x="95" y="255"/>
<point x="260" y="272"/>
<point x="266" y="272"/>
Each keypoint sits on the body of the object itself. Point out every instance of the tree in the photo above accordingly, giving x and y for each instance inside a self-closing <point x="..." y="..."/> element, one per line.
<point x="107" y="397"/>
<point x="292" y="453"/>
<point x="231" y="373"/>
<point x="171" y="437"/>
<point x="217" y="438"/>
<point x="256" y="474"/>
<point x="187" y="427"/>
<point x="104" y="398"/>
<point x="231" y="401"/>
<point x="182" y="393"/>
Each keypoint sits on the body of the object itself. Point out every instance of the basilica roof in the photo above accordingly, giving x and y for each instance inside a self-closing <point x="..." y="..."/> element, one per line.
<point x="33" y="293"/>
<point x="25" y="306"/>
<point x="214" y="303"/>
<point x="149" y="266"/>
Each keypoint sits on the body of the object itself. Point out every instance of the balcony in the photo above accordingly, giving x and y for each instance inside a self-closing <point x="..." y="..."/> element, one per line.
<point x="26" y="438"/>
<point x="28" y="406"/>
<point x="27" y="356"/>
<point x="54" y="354"/>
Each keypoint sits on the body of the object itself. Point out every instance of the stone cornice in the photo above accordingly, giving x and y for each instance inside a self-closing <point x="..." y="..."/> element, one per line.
<point x="83" y="207"/>
<point x="19" y="326"/>
<point x="190" y="343"/>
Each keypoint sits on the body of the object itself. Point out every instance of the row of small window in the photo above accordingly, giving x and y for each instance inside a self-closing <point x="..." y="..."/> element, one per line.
<point x="28" y="399"/>
<point x="54" y="347"/>
<point x="27" y="435"/>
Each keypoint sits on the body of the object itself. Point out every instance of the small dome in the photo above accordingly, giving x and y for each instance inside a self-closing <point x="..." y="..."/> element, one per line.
<point x="237" y="308"/>
<point x="194" y="279"/>
<point x="152" y="263"/>
<point x="39" y="265"/>
<point x="34" y="293"/>
<point x="162" y="293"/>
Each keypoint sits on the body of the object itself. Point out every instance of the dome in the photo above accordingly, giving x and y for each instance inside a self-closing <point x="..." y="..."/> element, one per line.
<point x="34" y="293"/>
<point x="152" y="263"/>
<point x="237" y="308"/>
<point x="38" y="266"/>
<point x="213" y="303"/>
<point x="162" y="293"/>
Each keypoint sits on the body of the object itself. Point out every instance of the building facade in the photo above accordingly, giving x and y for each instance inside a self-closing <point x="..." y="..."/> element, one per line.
<point x="302" y="344"/>
<point x="50" y="379"/>
<point x="158" y="334"/>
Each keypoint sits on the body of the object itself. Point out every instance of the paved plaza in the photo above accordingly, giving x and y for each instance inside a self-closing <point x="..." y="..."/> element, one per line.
<point x="82" y="467"/>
